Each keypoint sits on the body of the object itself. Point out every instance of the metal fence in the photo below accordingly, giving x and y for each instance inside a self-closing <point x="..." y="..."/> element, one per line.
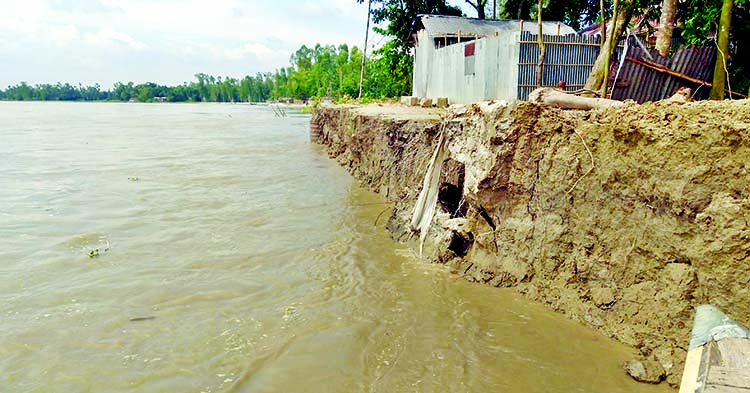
<point x="647" y="76"/>
<point x="568" y="58"/>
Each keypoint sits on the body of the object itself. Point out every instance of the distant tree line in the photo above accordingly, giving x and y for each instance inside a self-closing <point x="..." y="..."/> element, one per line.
<point x="319" y="71"/>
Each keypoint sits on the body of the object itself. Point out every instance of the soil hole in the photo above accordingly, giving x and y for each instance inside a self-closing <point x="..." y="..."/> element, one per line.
<point x="460" y="245"/>
<point x="450" y="199"/>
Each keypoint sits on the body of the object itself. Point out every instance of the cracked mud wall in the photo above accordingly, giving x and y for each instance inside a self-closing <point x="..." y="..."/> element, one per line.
<point x="623" y="219"/>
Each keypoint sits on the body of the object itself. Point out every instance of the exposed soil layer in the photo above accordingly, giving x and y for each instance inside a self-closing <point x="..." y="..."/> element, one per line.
<point x="623" y="219"/>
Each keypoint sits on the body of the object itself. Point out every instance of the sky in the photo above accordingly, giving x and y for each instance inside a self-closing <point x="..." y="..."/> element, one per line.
<point x="166" y="41"/>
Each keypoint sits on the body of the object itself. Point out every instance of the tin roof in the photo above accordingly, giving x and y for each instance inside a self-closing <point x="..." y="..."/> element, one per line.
<point x="437" y="25"/>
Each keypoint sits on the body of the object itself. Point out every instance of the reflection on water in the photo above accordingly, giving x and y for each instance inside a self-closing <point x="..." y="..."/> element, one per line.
<point x="233" y="256"/>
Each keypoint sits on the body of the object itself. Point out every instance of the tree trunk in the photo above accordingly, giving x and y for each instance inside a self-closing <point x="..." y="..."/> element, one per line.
<point x="608" y="53"/>
<point x="520" y="10"/>
<point x="666" y="25"/>
<point x="564" y="100"/>
<point x="479" y="6"/>
<point x="603" y="24"/>
<point x="594" y="82"/>
<point x="542" y="50"/>
<point x="720" y="73"/>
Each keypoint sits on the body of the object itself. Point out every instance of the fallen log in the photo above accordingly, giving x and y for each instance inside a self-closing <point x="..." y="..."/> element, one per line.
<point x="561" y="99"/>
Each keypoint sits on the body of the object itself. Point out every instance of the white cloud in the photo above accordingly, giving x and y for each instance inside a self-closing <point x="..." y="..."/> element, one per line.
<point x="63" y="36"/>
<point x="256" y="50"/>
<point x="123" y="39"/>
<point x="309" y="9"/>
<point x="108" y="37"/>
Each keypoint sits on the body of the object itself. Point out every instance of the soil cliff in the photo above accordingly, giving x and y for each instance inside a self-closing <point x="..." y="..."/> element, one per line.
<point x="623" y="219"/>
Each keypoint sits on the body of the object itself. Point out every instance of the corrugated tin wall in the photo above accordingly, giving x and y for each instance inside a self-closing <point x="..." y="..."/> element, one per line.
<point x="568" y="58"/>
<point x="486" y="72"/>
<point x="641" y="83"/>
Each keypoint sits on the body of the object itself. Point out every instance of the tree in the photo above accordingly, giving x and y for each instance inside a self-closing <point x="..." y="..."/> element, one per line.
<point x="596" y="80"/>
<point x="400" y="15"/>
<point x="574" y="13"/>
<point x="479" y="5"/>
<point x="720" y="74"/>
<point x="516" y="9"/>
<point x="666" y="25"/>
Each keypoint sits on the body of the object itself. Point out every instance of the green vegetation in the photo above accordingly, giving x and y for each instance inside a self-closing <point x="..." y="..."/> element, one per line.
<point x="319" y="71"/>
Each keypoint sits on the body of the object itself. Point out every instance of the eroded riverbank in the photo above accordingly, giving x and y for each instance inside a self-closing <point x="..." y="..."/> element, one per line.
<point x="622" y="219"/>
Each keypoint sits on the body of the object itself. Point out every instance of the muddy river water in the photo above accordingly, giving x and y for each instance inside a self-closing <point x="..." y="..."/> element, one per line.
<point x="212" y="248"/>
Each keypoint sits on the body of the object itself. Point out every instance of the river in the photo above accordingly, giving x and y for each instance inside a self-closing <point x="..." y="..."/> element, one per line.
<point x="212" y="248"/>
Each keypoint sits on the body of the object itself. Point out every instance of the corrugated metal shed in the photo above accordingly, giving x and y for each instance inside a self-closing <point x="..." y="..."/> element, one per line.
<point x="569" y="58"/>
<point x="439" y="25"/>
<point x="639" y="82"/>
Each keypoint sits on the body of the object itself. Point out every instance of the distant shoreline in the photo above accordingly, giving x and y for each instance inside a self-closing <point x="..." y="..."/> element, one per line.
<point x="286" y="105"/>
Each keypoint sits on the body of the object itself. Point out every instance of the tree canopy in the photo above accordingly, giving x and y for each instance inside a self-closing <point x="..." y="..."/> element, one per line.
<point x="317" y="71"/>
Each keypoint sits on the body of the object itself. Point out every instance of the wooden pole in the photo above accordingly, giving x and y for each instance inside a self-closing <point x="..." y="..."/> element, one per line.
<point x="364" y="49"/>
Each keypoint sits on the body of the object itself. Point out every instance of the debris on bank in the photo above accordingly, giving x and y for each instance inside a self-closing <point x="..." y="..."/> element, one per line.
<point x="622" y="218"/>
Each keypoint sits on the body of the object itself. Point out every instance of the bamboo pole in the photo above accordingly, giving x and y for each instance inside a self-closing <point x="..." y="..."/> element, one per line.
<point x="364" y="49"/>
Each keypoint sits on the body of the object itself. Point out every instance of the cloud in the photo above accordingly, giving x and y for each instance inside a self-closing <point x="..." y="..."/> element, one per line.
<point x="108" y="37"/>
<point x="256" y="50"/>
<point x="63" y="36"/>
<point x="44" y="40"/>
<point x="308" y="9"/>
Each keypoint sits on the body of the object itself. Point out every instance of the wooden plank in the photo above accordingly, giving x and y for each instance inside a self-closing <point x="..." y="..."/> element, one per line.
<point x="724" y="389"/>
<point x="692" y="368"/>
<point x="729" y="376"/>
<point x="559" y="64"/>
<point x="561" y="43"/>
<point x="735" y="352"/>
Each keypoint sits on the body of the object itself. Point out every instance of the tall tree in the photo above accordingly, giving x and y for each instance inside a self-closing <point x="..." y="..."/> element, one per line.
<point x="516" y="9"/>
<point x="479" y="5"/>
<point x="720" y="74"/>
<point x="400" y="16"/>
<point x="596" y="80"/>
<point x="666" y="25"/>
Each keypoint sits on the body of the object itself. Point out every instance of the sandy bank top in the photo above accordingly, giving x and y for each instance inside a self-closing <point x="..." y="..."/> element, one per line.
<point x="397" y="112"/>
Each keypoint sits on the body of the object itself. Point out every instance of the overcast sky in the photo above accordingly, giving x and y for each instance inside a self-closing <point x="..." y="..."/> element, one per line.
<point x="165" y="41"/>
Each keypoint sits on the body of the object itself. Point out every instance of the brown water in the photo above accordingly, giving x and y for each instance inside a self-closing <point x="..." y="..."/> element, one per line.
<point x="234" y="256"/>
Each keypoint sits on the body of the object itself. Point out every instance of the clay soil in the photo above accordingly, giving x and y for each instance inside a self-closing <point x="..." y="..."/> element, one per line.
<point x="623" y="219"/>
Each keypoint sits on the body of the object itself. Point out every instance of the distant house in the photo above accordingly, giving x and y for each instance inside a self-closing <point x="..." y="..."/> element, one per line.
<point x="469" y="60"/>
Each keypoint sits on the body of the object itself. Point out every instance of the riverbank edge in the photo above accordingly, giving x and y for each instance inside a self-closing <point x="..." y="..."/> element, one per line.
<point x="622" y="219"/>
